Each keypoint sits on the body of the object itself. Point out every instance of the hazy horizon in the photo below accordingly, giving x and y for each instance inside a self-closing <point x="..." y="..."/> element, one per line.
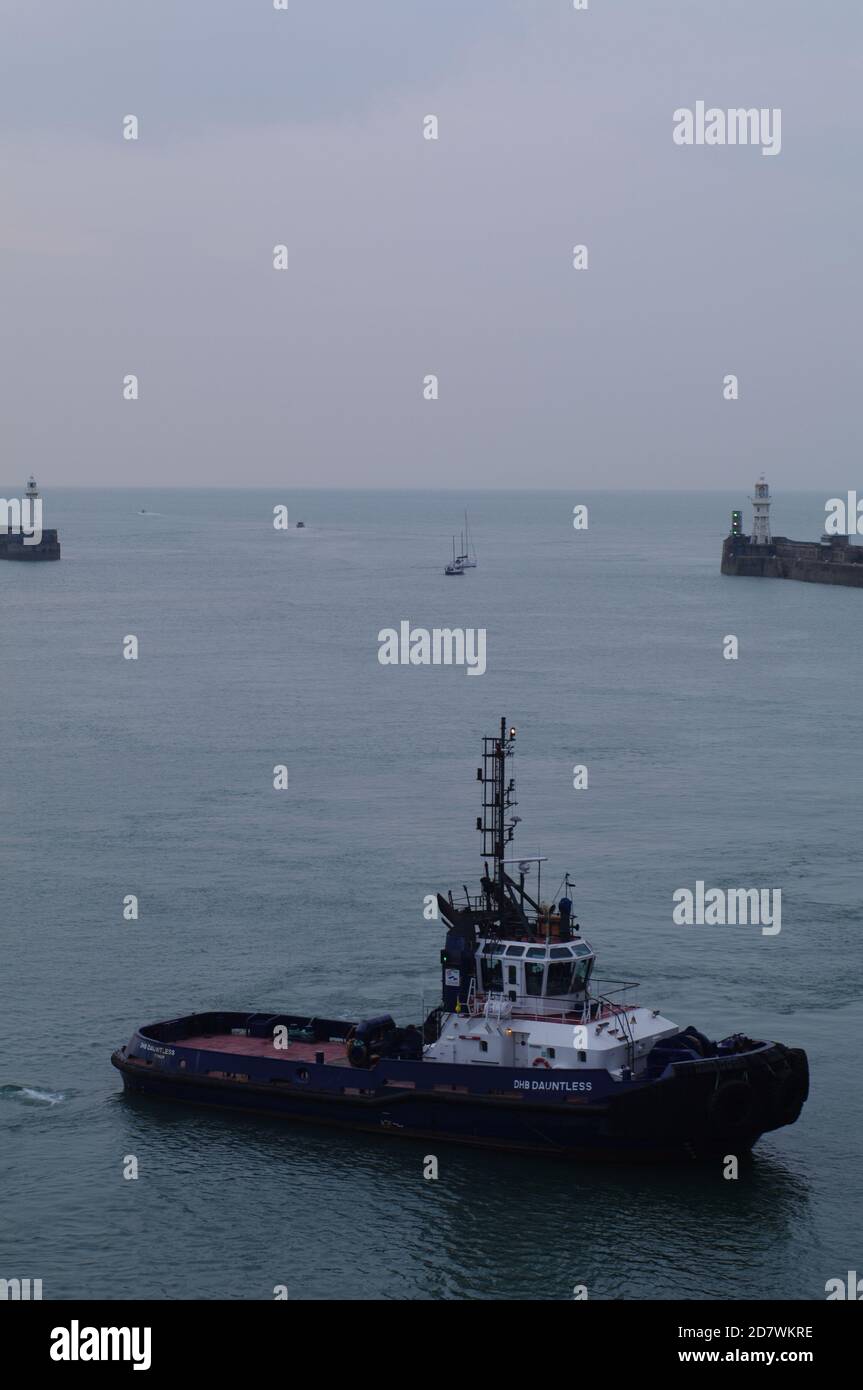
<point x="375" y="487"/>
<point x="410" y="257"/>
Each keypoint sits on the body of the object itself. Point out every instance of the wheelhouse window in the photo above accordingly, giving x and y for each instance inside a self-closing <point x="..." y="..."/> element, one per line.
<point x="533" y="978"/>
<point x="492" y="976"/>
<point x="559" y="977"/>
<point x="580" y="974"/>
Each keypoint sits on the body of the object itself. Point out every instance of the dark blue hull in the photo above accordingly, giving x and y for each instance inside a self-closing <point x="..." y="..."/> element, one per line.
<point x="694" y="1110"/>
<point x="468" y="1120"/>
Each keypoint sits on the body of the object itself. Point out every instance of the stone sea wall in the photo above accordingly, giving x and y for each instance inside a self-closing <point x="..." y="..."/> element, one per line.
<point x="835" y="563"/>
<point x="12" y="547"/>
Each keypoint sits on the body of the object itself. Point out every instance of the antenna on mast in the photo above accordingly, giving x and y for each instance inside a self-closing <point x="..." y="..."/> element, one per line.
<point x="498" y="799"/>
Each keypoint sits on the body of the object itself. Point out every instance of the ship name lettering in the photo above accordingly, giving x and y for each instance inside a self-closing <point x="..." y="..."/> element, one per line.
<point x="531" y="1085"/>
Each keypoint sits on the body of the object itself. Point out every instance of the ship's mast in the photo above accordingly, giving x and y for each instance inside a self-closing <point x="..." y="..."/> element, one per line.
<point x="498" y="798"/>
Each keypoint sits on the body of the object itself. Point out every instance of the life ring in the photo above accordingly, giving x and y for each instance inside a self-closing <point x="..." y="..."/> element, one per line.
<point x="541" y="1062"/>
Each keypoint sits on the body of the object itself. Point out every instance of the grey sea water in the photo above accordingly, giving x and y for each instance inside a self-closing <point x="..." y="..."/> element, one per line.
<point x="155" y="778"/>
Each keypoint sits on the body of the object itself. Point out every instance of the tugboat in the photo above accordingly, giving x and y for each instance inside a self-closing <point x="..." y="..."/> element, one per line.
<point x="527" y="1051"/>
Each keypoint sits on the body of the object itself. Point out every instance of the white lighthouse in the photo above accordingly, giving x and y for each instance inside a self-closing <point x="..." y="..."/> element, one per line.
<point x="761" y="513"/>
<point x="32" y="490"/>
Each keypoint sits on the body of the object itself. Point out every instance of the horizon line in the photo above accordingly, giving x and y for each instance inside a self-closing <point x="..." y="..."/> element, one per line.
<point x="342" y="487"/>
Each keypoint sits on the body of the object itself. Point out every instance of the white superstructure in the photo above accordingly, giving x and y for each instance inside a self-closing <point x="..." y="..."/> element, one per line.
<point x="532" y="1009"/>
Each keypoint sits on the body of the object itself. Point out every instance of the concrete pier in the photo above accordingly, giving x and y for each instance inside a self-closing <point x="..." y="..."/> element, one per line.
<point x="12" y="547"/>
<point x="815" y="562"/>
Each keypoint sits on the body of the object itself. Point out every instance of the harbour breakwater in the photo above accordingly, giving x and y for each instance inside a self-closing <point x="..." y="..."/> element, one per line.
<point x="16" y="546"/>
<point x="833" y="561"/>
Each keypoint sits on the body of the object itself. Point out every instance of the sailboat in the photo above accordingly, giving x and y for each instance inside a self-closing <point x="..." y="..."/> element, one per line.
<point x="468" y="556"/>
<point x="456" y="567"/>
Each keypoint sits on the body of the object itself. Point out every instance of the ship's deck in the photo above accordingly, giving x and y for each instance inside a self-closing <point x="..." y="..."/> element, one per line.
<point x="334" y="1052"/>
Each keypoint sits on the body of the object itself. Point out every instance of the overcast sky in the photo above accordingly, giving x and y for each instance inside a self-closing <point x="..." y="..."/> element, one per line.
<point x="409" y="257"/>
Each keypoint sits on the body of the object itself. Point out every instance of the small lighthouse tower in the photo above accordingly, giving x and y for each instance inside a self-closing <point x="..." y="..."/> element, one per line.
<point x="29" y="540"/>
<point x="761" y="513"/>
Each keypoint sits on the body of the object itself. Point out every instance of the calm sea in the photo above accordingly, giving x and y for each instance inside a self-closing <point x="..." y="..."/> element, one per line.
<point x="154" y="777"/>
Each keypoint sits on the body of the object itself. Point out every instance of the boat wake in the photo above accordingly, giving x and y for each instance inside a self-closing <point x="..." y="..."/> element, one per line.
<point x="31" y="1095"/>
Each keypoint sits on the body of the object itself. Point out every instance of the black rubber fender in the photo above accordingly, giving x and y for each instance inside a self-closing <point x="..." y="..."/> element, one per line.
<point x="733" y="1107"/>
<point x="791" y="1092"/>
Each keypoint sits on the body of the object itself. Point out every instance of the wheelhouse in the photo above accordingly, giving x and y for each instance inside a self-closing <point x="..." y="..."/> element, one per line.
<point x="528" y="970"/>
